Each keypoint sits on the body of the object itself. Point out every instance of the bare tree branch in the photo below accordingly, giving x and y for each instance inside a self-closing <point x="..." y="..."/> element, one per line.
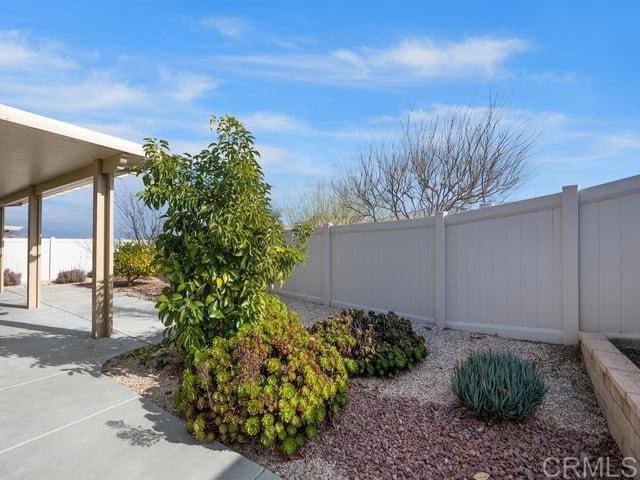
<point x="136" y="221"/>
<point x="447" y="163"/>
<point x="318" y="205"/>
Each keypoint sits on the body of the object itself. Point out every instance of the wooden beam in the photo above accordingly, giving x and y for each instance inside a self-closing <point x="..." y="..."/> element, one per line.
<point x="34" y="251"/>
<point x="18" y="197"/>
<point x="1" y="249"/>
<point x="66" y="181"/>
<point x="102" y="295"/>
<point x="115" y="163"/>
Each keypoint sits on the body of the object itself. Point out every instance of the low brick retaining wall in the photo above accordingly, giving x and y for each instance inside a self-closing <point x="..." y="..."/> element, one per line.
<point x="616" y="381"/>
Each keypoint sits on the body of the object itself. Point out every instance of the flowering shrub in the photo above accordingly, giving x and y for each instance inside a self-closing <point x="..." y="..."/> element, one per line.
<point x="272" y="381"/>
<point x="133" y="260"/>
<point x="71" y="276"/>
<point x="372" y="344"/>
<point x="12" y="278"/>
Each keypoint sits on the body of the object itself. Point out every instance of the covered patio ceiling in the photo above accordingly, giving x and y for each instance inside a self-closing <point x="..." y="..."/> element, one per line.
<point x="40" y="156"/>
<point x="41" y="152"/>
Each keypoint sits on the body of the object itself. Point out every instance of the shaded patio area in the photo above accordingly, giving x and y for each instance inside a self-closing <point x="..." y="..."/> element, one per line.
<point x="61" y="418"/>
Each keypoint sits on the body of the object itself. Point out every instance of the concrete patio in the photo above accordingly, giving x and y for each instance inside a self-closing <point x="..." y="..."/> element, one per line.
<point x="61" y="419"/>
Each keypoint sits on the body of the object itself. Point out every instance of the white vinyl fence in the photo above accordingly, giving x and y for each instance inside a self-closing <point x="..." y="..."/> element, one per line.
<point x="58" y="254"/>
<point x="537" y="269"/>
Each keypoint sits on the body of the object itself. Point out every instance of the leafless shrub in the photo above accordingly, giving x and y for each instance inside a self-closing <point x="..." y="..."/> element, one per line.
<point x="317" y="205"/>
<point x="137" y="222"/>
<point x="12" y="278"/>
<point x="447" y="163"/>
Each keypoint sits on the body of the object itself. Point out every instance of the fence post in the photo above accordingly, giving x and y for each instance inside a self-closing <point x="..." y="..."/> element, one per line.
<point x="326" y="286"/>
<point x="440" y="270"/>
<point x="570" y="264"/>
<point x="51" y="274"/>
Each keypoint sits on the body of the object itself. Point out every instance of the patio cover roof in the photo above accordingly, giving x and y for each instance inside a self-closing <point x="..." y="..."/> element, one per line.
<point x="50" y="155"/>
<point x="40" y="156"/>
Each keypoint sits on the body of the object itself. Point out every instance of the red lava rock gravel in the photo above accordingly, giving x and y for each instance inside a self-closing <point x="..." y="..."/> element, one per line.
<point x="411" y="426"/>
<point x="377" y="437"/>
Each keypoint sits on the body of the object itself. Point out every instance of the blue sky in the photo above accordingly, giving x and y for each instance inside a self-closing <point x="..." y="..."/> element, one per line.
<point x="316" y="81"/>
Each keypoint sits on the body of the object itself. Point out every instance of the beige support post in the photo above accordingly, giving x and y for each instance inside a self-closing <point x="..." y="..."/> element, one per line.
<point x="102" y="297"/>
<point x="1" y="249"/>
<point x="34" y="250"/>
<point x="441" y="273"/>
<point x="570" y="264"/>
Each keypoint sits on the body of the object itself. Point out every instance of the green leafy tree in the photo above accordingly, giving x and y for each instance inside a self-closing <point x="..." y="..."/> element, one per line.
<point x="221" y="246"/>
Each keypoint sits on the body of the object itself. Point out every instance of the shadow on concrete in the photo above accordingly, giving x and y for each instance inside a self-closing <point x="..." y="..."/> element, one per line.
<point x="71" y="350"/>
<point x="58" y="333"/>
<point x="136" y="436"/>
<point x="12" y="305"/>
<point x="163" y="426"/>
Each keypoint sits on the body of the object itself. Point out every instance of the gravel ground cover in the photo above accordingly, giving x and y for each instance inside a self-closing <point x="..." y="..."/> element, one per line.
<point x="412" y="426"/>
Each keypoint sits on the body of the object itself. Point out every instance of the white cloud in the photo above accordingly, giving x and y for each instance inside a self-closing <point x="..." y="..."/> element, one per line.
<point x="432" y="60"/>
<point x="18" y="51"/>
<point x="511" y="117"/>
<point x="192" y="147"/>
<point x="189" y="87"/>
<point x="409" y="61"/>
<point x="47" y="75"/>
<point x="274" y="122"/>
<point x="624" y="141"/>
<point x="125" y="129"/>
<point x="556" y="77"/>
<point x="233" y="27"/>
<point x="281" y="123"/>
<point x="279" y="161"/>
<point x="97" y="91"/>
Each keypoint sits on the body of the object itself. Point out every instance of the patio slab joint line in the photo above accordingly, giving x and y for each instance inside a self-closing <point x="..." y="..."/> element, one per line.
<point x="70" y="424"/>
<point x="9" y="387"/>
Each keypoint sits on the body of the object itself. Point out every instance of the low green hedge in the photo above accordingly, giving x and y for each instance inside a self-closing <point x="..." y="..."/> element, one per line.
<point x="372" y="344"/>
<point x="273" y="381"/>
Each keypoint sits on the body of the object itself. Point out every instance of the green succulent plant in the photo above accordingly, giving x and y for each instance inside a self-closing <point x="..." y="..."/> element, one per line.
<point x="273" y="381"/>
<point x="499" y="385"/>
<point x="372" y="344"/>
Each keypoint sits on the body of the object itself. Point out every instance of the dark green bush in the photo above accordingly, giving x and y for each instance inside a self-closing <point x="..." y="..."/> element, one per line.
<point x="498" y="385"/>
<point x="372" y="344"/>
<point x="71" y="276"/>
<point x="272" y="381"/>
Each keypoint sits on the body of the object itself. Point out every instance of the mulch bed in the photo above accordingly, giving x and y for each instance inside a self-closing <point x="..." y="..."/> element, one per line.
<point x="148" y="288"/>
<point x="380" y="437"/>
